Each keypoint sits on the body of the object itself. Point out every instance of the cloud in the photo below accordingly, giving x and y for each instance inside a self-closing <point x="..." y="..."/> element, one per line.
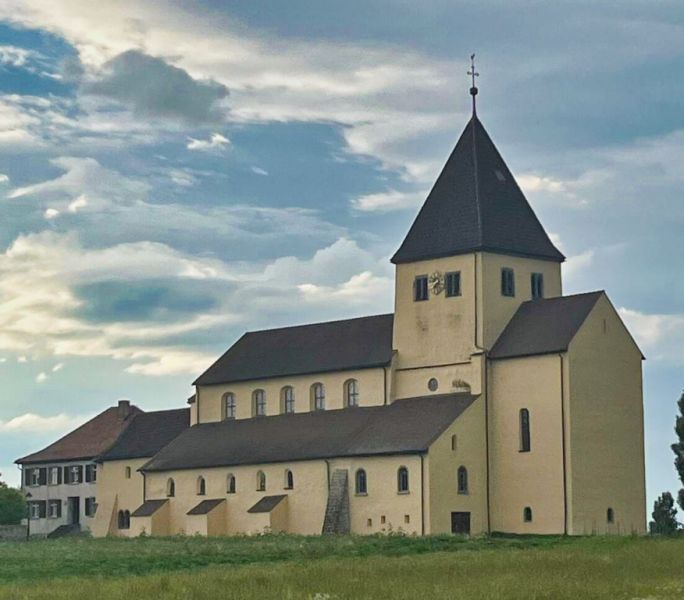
<point x="363" y="289"/>
<point x="660" y="336"/>
<point x="575" y="265"/>
<point x="152" y="87"/>
<point x="80" y="202"/>
<point x="260" y="171"/>
<point x="41" y="377"/>
<point x="215" y="142"/>
<point x="51" y="213"/>
<point x="530" y="182"/>
<point x="4" y="178"/>
<point x="14" y="56"/>
<point x="388" y="201"/>
<point x="57" y="367"/>
<point x="33" y="423"/>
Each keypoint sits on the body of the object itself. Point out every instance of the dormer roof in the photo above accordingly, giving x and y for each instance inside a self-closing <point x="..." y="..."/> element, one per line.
<point x="476" y="205"/>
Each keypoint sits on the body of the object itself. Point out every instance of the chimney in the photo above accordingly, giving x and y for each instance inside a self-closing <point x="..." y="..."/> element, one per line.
<point x="124" y="409"/>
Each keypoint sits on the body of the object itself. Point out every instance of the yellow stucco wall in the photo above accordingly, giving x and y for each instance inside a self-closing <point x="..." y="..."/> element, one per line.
<point x="606" y="426"/>
<point x="443" y="463"/>
<point x="519" y="479"/>
<point x="372" y="391"/>
<point x="496" y="310"/>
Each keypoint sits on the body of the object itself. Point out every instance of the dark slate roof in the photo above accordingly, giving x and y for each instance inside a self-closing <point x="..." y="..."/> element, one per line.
<point x="267" y="504"/>
<point x="544" y="326"/>
<point x="87" y="441"/>
<point x="148" y="434"/>
<point x="404" y="427"/>
<point x="205" y="507"/>
<point x="148" y="508"/>
<point x="317" y="348"/>
<point x="475" y="204"/>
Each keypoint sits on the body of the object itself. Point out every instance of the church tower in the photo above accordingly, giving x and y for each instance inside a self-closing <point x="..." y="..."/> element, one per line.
<point x="474" y="253"/>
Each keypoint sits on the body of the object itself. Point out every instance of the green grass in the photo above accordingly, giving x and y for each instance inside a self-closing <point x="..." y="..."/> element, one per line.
<point x="345" y="567"/>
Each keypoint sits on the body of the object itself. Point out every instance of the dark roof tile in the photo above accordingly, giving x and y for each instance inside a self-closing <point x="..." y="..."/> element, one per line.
<point x="148" y="508"/>
<point x="267" y="504"/>
<point x="205" y="507"/>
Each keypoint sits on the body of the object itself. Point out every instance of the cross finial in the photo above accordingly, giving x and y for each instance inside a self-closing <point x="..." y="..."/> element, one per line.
<point x="473" y="73"/>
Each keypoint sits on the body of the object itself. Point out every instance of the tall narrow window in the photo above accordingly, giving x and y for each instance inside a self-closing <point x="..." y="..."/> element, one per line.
<point x="507" y="282"/>
<point x="287" y="400"/>
<point x="361" y="482"/>
<point x="229" y="405"/>
<point x="452" y="284"/>
<point x="230" y="484"/>
<point x="351" y="392"/>
<point x="402" y="480"/>
<point x="527" y="514"/>
<point x="170" y="488"/>
<point x="259" y="402"/>
<point x="537" y="284"/>
<point x="610" y="515"/>
<point x="261" y="481"/>
<point x="317" y="396"/>
<point x="201" y="486"/>
<point x="127" y="519"/>
<point x="462" y="480"/>
<point x="454" y="442"/>
<point x="289" y="480"/>
<point x="525" y="444"/>
<point x="127" y="472"/>
<point x="420" y="288"/>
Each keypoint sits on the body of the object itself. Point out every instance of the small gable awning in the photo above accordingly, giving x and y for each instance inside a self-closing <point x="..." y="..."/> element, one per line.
<point x="148" y="508"/>
<point x="205" y="507"/>
<point x="267" y="504"/>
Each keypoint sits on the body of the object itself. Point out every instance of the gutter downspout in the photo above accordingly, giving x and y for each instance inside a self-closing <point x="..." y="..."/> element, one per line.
<point x="486" y="407"/>
<point x="422" y="495"/>
<point x="565" y="486"/>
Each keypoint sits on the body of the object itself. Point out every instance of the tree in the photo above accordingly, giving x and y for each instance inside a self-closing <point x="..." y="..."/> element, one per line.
<point x="12" y="505"/>
<point x="664" y="516"/>
<point x="678" y="449"/>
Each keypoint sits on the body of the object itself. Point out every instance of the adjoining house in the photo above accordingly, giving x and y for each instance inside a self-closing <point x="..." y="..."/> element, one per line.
<point x="60" y="481"/>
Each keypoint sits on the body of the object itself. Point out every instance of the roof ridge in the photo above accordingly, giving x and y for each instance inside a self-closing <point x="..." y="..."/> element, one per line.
<point x="476" y="177"/>
<point x="319" y="323"/>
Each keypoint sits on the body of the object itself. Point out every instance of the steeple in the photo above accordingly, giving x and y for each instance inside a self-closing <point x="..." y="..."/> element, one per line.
<point x="476" y="205"/>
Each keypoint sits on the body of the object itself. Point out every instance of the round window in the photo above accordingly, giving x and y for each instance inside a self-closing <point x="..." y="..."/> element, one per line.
<point x="433" y="384"/>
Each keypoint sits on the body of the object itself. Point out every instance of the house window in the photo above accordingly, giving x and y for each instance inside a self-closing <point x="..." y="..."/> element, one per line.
<point x="55" y="478"/>
<point x="229" y="405"/>
<point x="35" y="477"/>
<point x="462" y="480"/>
<point x="351" y="392"/>
<point x="289" y="480"/>
<point x="128" y="472"/>
<point x="261" y="481"/>
<point x="90" y="506"/>
<point x="55" y="509"/>
<point x="361" y="482"/>
<point x="525" y="443"/>
<point x="507" y="282"/>
<point x="230" y="488"/>
<point x="74" y="474"/>
<point x="452" y="284"/>
<point x="36" y="510"/>
<point x="91" y="473"/>
<point x="402" y="480"/>
<point x="537" y="283"/>
<point x="317" y="396"/>
<point x="170" y="488"/>
<point x="527" y="514"/>
<point x="420" y="288"/>
<point x="259" y="401"/>
<point x="610" y="515"/>
<point x="287" y="400"/>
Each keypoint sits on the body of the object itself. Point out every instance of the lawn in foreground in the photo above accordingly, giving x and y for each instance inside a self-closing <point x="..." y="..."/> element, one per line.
<point x="602" y="568"/>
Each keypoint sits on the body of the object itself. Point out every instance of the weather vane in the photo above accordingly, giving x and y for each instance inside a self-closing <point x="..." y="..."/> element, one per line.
<point x="473" y="73"/>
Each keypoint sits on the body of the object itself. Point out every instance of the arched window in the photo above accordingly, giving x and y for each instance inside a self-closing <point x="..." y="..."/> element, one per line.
<point x="351" y="392"/>
<point x="524" y="430"/>
<point x="527" y="514"/>
<point x="261" y="481"/>
<point x="170" y="488"/>
<point x="126" y="519"/>
<point x="229" y="405"/>
<point x="121" y="520"/>
<point x="201" y="486"/>
<point x="462" y="480"/>
<point x="402" y="480"/>
<point x="361" y="482"/>
<point x="289" y="480"/>
<point x="610" y="515"/>
<point x="287" y="400"/>
<point x="259" y="402"/>
<point x="317" y="397"/>
<point x="230" y="484"/>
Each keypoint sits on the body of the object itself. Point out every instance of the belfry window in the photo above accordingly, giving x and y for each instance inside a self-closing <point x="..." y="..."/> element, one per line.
<point x="361" y="482"/>
<point x="525" y="441"/>
<point x="287" y="400"/>
<point x="507" y="282"/>
<point x="462" y="480"/>
<point x="259" y="401"/>
<point x="537" y="284"/>
<point x="317" y="396"/>
<point x="229" y="405"/>
<point x="420" y="288"/>
<point x="351" y="392"/>
<point x="452" y="284"/>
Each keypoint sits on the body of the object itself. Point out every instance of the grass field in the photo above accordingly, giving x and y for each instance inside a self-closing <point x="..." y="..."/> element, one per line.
<point x="345" y="567"/>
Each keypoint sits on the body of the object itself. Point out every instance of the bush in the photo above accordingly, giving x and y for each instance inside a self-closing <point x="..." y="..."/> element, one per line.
<point x="12" y="505"/>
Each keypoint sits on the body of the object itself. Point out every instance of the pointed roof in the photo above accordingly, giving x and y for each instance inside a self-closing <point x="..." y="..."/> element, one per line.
<point x="475" y="204"/>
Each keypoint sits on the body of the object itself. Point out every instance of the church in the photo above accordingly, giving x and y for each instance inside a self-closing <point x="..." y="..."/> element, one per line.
<point x="486" y="402"/>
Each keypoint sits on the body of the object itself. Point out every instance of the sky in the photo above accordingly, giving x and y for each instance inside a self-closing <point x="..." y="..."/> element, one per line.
<point x="173" y="174"/>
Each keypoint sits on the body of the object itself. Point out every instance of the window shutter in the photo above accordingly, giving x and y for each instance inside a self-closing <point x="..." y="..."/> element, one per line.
<point x="42" y="508"/>
<point x="27" y="476"/>
<point x="67" y="479"/>
<point x="89" y="473"/>
<point x="59" y="508"/>
<point x="59" y="478"/>
<point x="42" y="476"/>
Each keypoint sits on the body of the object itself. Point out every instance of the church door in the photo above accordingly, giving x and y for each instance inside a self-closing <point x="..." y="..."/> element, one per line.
<point x="460" y="522"/>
